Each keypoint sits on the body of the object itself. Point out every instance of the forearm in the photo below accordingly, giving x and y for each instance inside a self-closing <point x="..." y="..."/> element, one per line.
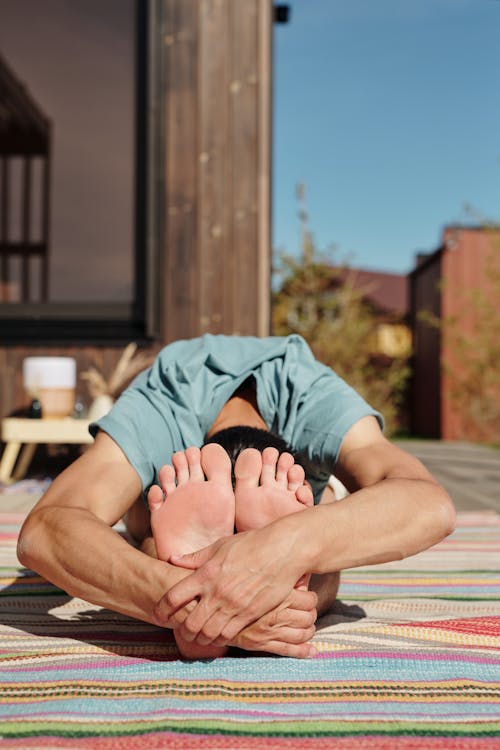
<point x="81" y="554"/>
<point x="387" y="521"/>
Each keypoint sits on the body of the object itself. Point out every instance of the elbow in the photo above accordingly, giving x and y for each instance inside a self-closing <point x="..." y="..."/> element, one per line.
<point x="29" y="543"/>
<point x="445" y="515"/>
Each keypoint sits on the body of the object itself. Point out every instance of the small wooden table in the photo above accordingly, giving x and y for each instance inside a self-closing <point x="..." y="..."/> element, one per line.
<point x="21" y="436"/>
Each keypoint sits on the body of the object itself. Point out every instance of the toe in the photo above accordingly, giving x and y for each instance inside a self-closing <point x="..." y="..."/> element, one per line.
<point x="248" y="468"/>
<point x="304" y="495"/>
<point x="155" y="498"/>
<point x="269" y="461"/>
<point x="216" y="463"/>
<point x="180" y="463"/>
<point x="285" y="462"/>
<point x="167" y="479"/>
<point x="296" y="477"/>
<point x="193" y="456"/>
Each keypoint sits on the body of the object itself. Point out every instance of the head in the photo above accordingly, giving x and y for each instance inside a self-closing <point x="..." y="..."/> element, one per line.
<point x="236" y="439"/>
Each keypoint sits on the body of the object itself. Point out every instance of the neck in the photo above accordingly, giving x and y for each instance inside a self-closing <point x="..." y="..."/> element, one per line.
<point x="240" y="410"/>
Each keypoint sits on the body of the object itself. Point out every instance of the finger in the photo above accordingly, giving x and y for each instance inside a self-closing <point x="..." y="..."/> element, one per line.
<point x="303" y="582"/>
<point x="194" y="560"/>
<point x="285" y="463"/>
<point x="155" y="498"/>
<point x="180" y="463"/>
<point x="294" y="635"/>
<point x="212" y="629"/>
<point x="294" y="621"/>
<point x="296" y="651"/>
<point x="235" y="626"/>
<point x="175" y="619"/>
<point x="305" y="600"/>
<point x="300" y="650"/>
<point x="296" y="618"/>
<point x="175" y="598"/>
<point x="191" y="628"/>
<point x="167" y="479"/>
<point x="269" y="460"/>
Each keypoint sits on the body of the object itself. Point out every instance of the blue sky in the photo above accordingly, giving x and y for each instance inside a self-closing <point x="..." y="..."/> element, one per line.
<point x="389" y="113"/>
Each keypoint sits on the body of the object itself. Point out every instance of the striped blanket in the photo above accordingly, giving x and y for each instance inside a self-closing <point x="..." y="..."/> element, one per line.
<point x="408" y="659"/>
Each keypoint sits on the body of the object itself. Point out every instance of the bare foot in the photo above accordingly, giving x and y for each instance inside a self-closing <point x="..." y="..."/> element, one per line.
<point x="269" y="486"/>
<point x="193" y="508"/>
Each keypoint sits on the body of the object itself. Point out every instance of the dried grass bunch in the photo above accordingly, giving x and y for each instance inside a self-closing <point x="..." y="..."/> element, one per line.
<point x="128" y="366"/>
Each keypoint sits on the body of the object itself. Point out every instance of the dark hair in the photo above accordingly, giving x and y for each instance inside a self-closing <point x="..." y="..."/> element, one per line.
<point x="236" y="439"/>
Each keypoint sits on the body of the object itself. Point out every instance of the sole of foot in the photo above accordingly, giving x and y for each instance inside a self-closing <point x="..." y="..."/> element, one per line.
<point x="193" y="507"/>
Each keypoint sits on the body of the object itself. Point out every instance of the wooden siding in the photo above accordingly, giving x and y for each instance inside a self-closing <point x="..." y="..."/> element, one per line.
<point x="216" y="275"/>
<point x="464" y="265"/>
<point x="12" y="394"/>
<point x="441" y="285"/>
<point x="425" y="391"/>
<point x="214" y="271"/>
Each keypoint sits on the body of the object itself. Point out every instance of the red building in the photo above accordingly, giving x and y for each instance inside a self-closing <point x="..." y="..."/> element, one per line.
<point x="447" y="289"/>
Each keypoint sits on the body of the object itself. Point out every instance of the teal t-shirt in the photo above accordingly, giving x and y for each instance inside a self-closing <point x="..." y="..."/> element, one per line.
<point x="173" y="404"/>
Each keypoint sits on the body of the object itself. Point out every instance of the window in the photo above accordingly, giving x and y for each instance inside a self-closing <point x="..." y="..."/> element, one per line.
<point x="78" y="239"/>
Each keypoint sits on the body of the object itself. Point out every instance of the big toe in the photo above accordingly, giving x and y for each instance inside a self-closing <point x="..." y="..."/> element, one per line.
<point x="248" y="468"/>
<point x="216" y="463"/>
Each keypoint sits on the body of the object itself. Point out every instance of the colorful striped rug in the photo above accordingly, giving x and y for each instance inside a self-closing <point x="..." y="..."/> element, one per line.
<point x="409" y="659"/>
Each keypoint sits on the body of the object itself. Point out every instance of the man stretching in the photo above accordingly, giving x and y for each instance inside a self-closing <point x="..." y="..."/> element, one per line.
<point x="270" y="409"/>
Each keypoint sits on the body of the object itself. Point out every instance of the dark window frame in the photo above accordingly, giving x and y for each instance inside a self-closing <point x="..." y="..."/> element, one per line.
<point x="114" y="323"/>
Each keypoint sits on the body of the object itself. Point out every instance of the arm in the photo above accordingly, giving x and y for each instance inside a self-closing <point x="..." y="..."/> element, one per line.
<point x="68" y="539"/>
<point x="68" y="536"/>
<point x="396" y="510"/>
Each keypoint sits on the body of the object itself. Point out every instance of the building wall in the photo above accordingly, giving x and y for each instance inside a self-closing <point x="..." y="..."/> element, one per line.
<point x="216" y="275"/>
<point x="425" y="396"/>
<point x="214" y="271"/>
<point x="442" y="285"/>
<point x="13" y="398"/>
<point x="463" y="269"/>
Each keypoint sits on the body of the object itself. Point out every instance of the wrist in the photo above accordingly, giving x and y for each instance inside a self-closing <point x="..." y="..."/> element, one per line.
<point x="166" y="576"/>
<point x="297" y="529"/>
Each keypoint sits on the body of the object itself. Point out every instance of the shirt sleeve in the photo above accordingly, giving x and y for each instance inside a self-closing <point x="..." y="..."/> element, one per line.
<point x="141" y="429"/>
<point x="325" y="418"/>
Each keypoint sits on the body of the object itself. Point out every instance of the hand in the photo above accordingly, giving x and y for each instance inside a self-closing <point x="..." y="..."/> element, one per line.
<point x="283" y="631"/>
<point x="236" y="581"/>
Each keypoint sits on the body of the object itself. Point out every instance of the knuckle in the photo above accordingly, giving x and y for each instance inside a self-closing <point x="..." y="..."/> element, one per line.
<point x="227" y="594"/>
<point x="227" y="634"/>
<point x="208" y="634"/>
<point x="311" y="618"/>
<point x="308" y="633"/>
<point x="210" y="570"/>
<point x="171" y="600"/>
<point x="273" y="618"/>
<point x="190" y="627"/>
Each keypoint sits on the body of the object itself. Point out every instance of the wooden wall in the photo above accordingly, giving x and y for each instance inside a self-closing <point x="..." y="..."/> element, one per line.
<point x="217" y="151"/>
<point x="214" y="273"/>
<point x="425" y="390"/>
<point x="466" y="257"/>
<point x="442" y="285"/>
<point x="12" y="394"/>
